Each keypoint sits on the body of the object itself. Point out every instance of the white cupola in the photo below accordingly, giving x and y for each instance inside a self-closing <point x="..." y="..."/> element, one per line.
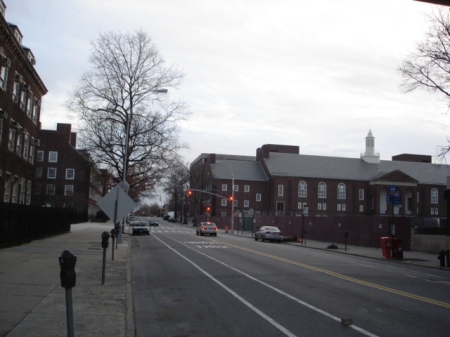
<point x="369" y="156"/>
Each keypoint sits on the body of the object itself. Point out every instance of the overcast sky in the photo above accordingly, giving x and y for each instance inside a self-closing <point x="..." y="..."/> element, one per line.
<point x="318" y="74"/>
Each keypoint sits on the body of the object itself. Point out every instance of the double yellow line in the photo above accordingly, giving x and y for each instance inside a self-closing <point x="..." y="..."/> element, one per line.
<point x="347" y="278"/>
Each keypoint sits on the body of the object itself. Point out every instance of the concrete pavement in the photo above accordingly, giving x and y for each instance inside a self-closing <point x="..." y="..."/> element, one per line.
<point x="33" y="303"/>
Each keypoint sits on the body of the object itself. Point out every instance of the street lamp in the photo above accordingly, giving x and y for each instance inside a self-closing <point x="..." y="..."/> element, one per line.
<point x="232" y="197"/>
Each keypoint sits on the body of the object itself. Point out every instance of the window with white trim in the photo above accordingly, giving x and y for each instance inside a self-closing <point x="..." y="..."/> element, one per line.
<point x="35" y="112"/>
<point x="338" y="207"/>
<point x="434" y="196"/>
<point x="12" y="138"/>
<point x="319" y="206"/>
<point x="324" y="207"/>
<point x="23" y="100"/>
<point x="235" y="203"/>
<point x="436" y="211"/>
<point x="361" y="194"/>
<point x="302" y="189"/>
<point x="70" y="174"/>
<point x="28" y="197"/>
<point x="223" y="202"/>
<point x="50" y="189"/>
<point x="3" y="76"/>
<point x="19" y="144"/>
<point x="322" y="190"/>
<point x="299" y="205"/>
<point x="30" y="105"/>
<point x="280" y="190"/>
<point x="68" y="189"/>
<point x="7" y="191"/>
<point x="40" y="156"/>
<point x="51" y="173"/>
<point x="343" y="207"/>
<point x="236" y="188"/>
<point x="15" y="94"/>
<point x="22" y="191"/>
<point x="52" y="156"/>
<point x="246" y="203"/>
<point x="26" y="144"/>
<point x="246" y="188"/>
<point x="15" y="190"/>
<point x="341" y="191"/>
<point x="224" y="187"/>
<point x="258" y="196"/>
<point x="361" y="208"/>
<point x="31" y="158"/>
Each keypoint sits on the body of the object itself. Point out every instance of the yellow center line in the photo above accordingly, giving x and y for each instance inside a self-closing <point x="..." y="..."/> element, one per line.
<point x="347" y="278"/>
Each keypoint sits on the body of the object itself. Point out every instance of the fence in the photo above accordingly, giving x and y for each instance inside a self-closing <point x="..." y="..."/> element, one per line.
<point x="21" y="223"/>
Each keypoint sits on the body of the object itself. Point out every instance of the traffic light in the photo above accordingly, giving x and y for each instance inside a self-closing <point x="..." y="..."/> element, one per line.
<point x="230" y="198"/>
<point x="208" y="209"/>
<point x="189" y="193"/>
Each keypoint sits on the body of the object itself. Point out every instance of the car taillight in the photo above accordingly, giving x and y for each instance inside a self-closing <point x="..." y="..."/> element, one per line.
<point x="203" y="228"/>
<point x="267" y="232"/>
<point x="215" y="228"/>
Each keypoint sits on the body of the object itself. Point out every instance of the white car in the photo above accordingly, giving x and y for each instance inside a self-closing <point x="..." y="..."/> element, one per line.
<point x="207" y="228"/>
<point x="139" y="227"/>
<point x="269" y="233"/>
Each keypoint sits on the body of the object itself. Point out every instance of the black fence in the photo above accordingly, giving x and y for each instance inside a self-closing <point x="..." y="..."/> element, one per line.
<point x="21" y="223"/>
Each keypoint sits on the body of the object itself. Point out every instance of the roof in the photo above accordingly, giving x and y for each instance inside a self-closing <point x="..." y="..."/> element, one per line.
<point x="307" y="166"/>
<point x="240" y="169"/>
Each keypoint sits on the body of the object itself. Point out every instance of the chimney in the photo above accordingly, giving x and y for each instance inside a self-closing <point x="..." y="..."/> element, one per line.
<point x="64" y="131"/>
<point x="73" y="139"/>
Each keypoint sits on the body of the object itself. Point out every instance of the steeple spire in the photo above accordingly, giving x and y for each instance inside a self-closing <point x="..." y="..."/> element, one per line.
<point x="369" y="156"/>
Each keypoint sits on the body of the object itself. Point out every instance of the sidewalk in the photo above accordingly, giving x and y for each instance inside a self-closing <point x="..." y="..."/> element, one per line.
<point x="422" y="259"/>
<point x="33" y="303"/>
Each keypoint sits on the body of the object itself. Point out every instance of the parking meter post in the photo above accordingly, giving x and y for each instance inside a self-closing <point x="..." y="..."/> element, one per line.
<point x="113" y="236"/>
<point x="67" y="275"/>
<point x="447" y="257"/>
<point x="105" y="243"/>
<point x="306" y="232"/>
<point x="441" y="258"/>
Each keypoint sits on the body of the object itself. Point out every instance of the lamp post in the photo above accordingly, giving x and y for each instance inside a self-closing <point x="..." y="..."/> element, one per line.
<point x="232" y="197"/>
<point x="123" y="183"/>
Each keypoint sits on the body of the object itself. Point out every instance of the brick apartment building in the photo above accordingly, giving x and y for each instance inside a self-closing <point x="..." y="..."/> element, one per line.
<point x="280" y="181"/>
<point x="67" y="177"/>
<point x="21" y="92"/>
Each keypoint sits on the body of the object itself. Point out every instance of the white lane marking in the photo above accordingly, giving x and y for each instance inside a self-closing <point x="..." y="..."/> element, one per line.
<point x="362" y="331"/>
<point x="259" y="312"/>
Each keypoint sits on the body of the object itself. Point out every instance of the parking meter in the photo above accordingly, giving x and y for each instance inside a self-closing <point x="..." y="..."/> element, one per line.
<point x="105" y="240"/>
<point x="67" y="263"/>
<point x="113" y="233"/>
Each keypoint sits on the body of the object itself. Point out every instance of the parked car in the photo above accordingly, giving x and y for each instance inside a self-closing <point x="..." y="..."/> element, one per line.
<point x="207" y="228"/>
<point x="153" y="223"/>
<point x="269" y="233"/>
<point x="132" y="218"/>
<point x="140" y="227"/>
<point x="172" y="220"/>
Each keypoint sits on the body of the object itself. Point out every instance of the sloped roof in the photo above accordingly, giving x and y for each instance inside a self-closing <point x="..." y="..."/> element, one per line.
<point x="242" y="170"/>
<point x="293" y="165"/>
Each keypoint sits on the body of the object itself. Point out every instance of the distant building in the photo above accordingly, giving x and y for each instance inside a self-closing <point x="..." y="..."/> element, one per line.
<point x="21" y="92"/>
<point x="67" y="177"/>
<point x="281" y="181"/>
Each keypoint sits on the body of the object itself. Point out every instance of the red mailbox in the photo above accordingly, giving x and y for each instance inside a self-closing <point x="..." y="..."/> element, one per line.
<point x="386" y="247"/>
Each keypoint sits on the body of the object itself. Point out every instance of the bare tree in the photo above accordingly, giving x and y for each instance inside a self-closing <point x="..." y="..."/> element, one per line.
<point x="124" y="92"/>
<point x="176" y="184"/>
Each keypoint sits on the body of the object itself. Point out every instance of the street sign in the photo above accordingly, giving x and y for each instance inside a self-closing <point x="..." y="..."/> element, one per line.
<point x="124" y="204"/>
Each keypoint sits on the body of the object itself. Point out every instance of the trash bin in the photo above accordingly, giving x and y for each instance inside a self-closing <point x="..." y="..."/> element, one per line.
<point x="386" y="247"/>
<point x="397" y="246"/>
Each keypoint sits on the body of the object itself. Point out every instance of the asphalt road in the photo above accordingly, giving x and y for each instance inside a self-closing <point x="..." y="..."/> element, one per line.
<point x="188" y="285"/>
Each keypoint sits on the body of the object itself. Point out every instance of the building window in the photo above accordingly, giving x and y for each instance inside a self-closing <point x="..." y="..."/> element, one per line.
<point x="338" y="207"/>
<point x="1" y="129"/>
<point x="223" y="214"/>
<point x="12" y="138"/>
<point x="15" y="190"/>
<point x="38" y="172"/>
<point x="341" y="193"/>
<point x="246" y="203"/>
<point x="434" y="196"/>
<point x="299" y="205"/>
<point x="23" y="100"/>
<point x="343" y="207"/>
<point x="436" y="211"/>
<point x="361" y="208"/>
<point x="302" y="189"/>
<point x="223" y="202"/>
<point x="32" y="149"/>
<point x="52" y="157"/>
<point x="30" y="105"/>
<point x="236" y="188"/>
<point x="322" y="192"/>
<point x="7" y="192"/>
<point x="417" y="197"/>
<point x="280" y="205"/>
<point x="28" y="198"/>
<point x="280" y="190"/>
<point x="319" y="206"/>
<point x="361" y="194"/>
<point x="50" y="189"/>
<point x="51" y="173"/>
<point x="235" y="203"/>
<point x="19" y="144"/>
<point x="70" y="174"/>
<point x="15" y="95"/>
<point x="246" y="188"/>
<point x="224" y="187"/>
<point x="68" y="189"/>
<point x="22" y="191"/>
<point x="324" y="207"/>
<point x="35" y="112"/>
<point x="26" y="144"/>
<point x="40" y="156"/>
<point x="3" y="75"/>
<point x="258" y="196"/>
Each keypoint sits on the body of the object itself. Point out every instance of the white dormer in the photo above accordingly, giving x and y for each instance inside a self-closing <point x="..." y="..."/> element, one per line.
<point x="369" y="156"/>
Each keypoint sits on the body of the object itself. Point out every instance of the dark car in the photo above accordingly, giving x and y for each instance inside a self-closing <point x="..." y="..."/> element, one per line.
<point x="166" y="217"/>
<point x="171" y="220"/>
<point x="153" y="223"/>
<point x="269" y="233"/>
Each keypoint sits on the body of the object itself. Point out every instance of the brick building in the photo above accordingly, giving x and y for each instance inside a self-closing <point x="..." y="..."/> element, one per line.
<point x="281" y="181"/>
<point x="21" y="92"/>
<point x="65" y="176"/>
